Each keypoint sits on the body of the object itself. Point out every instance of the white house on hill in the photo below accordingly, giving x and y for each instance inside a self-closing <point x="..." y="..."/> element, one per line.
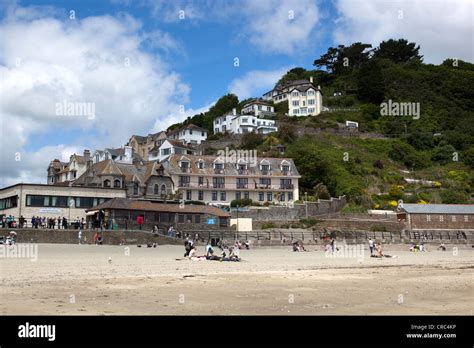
<point x="242" y="124"/>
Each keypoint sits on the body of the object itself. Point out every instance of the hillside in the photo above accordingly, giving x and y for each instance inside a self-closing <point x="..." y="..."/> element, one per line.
<point x="434" y="148"/>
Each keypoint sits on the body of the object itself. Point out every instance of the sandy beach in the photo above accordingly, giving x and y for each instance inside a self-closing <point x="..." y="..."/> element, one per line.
<point x="79" y="280"/>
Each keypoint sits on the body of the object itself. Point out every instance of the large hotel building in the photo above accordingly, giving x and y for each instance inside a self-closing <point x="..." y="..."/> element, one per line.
<point x="214" y="181"/>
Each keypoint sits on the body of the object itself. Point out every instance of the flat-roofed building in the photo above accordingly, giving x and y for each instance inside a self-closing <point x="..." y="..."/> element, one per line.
<point x="30" y="200"/>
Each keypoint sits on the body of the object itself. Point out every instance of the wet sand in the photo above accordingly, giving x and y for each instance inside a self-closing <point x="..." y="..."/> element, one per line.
<point x="79" y="279"/>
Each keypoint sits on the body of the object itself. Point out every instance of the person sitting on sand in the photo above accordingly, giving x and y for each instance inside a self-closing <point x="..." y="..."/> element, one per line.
<point x="442" y="247"/>
<point x="234" y="254"/>
<point x="209" y="249"/>
<point x="193" y="255"/>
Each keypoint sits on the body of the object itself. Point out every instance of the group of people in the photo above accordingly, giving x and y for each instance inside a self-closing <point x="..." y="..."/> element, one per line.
<point x="8" y="240"/>
<point x="42" y="222"/>
<point x="376" y="249"/>
<point x="298" y="246"/>
<point x="418" y="247"/>
<point x="227" y="253"/>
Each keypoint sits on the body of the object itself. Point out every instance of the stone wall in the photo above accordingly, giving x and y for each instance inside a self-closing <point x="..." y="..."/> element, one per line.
<point x="71" y="237"/>
<point x="297" y="212"/>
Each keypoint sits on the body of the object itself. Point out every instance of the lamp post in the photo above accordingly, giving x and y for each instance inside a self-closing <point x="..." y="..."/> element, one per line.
<point x="306" y="203"/>
<point x="238" y="219"/>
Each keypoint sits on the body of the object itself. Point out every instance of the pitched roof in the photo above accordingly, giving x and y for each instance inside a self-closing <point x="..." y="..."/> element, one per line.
<point x="257" y="101"/>
<point x="171" y="164"/>
<point x="142" y="205"/>
<point x="188" y="126"/>
<point x="139" y="138"/>
<point x="438" y="208"/>
<point x="178" y="143"/>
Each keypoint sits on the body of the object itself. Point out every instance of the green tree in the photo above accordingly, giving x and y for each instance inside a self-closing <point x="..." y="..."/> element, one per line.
<point x="370" y="83"/>
<point x="399" y="51"/>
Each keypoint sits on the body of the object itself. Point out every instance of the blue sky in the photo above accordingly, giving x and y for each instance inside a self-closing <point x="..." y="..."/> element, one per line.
<point x="47" y="57"/>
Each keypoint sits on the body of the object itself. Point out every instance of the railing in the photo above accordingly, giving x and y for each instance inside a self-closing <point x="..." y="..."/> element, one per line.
<point x="218" y="170"/>
<point x="242" y="186"/>
<point x="287" y="187"/>
<point x="185" y="170"/>
<point x="243" y="172"/>
<point x="266" y="172"/>
<point x="184" y="184"/>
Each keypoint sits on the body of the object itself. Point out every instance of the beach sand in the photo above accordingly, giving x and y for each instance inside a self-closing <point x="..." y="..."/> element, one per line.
<point x="79" y="280"/>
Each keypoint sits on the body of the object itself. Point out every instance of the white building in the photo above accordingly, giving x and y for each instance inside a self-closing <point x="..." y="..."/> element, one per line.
<point x="121" y="155"/>
<point x="67" y="172"/>
<point x="303" y="98"/>
<point x="242" y="124"/>
<point x="258" y="108"/>
<point x="170" y="147"/>
<point x="190" y="134"/>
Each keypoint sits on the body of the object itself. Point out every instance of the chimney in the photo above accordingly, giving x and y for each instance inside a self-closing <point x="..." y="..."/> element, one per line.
<point x="128" y="153"/>
<point x="319" y="87"/>
<point x="311" y="79"/>
<point x="234" y="111"/>
<point x="87" y="158"/>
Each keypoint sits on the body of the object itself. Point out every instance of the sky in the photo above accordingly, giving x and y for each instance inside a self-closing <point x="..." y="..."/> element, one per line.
<point x="144" y="65"/>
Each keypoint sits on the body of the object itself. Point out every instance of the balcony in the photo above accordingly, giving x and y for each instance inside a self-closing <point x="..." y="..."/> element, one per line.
<point x="287" y="187"/>
<point x="184" y="184"/>
<point x="218" y="186"/>
<point x="242" y="186"/>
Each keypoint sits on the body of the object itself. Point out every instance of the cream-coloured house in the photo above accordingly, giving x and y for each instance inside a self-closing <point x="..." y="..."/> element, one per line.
<point x="303" y="98"/>
<point x="212" y="180"/>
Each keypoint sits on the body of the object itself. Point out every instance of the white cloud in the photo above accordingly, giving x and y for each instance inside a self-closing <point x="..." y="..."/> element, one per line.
<point x="255" y="83"/>
<point x="180" y="113"/>
<point x="280" y="26"/>
<point x="443" y="29"/>
<point x="99" y="60"/>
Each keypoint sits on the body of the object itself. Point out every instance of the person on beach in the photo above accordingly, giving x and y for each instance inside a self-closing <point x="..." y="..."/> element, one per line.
<point x="209" y="249"/>
<point x="442" y="247"/>
<point x="79" y="236"/>
<point x="371" y="246"/>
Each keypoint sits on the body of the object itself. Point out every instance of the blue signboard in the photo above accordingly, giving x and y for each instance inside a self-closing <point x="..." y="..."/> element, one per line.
<point x="211" y="221"/>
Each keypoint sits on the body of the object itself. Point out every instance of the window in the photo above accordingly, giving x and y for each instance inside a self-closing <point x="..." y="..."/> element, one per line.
<point x="165" y="152"/>
<point x="466" y="219"/>
<point x="269" y="196"/>
<point x="9" y="202"/>
<point x="304" y="110"/>
<point x="295" y="103"/>
<point x="244" y="120"/>
<point x="117" y="183"/>
<point x="310" y="101"/>
<point x="294" y="94"/>
<point x="107" y="183"/>
<point x="453" y="218"/>
<point x="184" y="167"/>
<point x="189" y="218"/>
<point x="96" y="158"/>
<point x="214" y="195"/>
<point x="265" y="168"/>
<point x="238" y="195"/>
<point x="184" y="181"/>
<point x="285" y="169"/>
<point x="197" y="219"/>
<point x="223" y="195"/>
<point x="189" y="195"/>
<point x="135" y="189"/>
<point x="202" y="134"/>
<point x="285" y="184"/>
<point x="163" y="190"/>
<point x="282" y="197"/>
<point x="310" y="92"/>
<point x="181" y="218"/>
<point x="218" y="182"/>
<point x="84" y="202"/>
<point x="201" y="195"/>
<point x="265" y="182"/>
<point x="290" y="196"/>
<point x="201" y="165"/>
<point x="59" y="201"/>
<point x="190" y="132"/>
<point x="428" y="218"/>
<point x="261" y="196"/>
<point x="242" y="183"/>
<point x="441" y="219"/>
<point x="246" y="195"/>
<point x="311" y="110"/>
<point x="296" y="111"/>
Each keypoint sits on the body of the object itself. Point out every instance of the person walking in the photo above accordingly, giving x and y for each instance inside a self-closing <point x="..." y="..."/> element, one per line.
<point x="79" y="236"/>
<point x="371" y="246"/>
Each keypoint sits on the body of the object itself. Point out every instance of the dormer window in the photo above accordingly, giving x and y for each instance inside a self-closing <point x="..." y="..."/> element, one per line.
<point x="200" y="164"/>
<point x="265" y="168"/>
<point x="184" y="166"/>
<point x="218" y="168"/>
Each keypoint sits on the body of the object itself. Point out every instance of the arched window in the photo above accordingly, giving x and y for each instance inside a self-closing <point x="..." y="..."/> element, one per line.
<point x="163" y="190"/>
<point x="107" y="183"/>
<point x="117" y="183"/>
<point x="135" y="189"/>
<point x="155" y="189"/>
